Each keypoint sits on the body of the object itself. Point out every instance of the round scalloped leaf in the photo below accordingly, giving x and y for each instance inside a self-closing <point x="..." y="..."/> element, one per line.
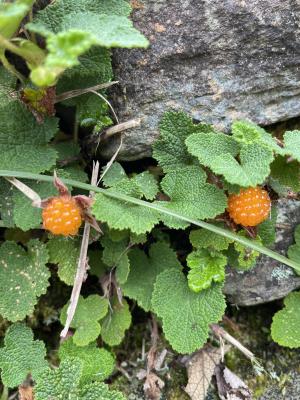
<point x="116" y="322"/>
<point x="64" y="252"/>
<point x="88" y="312"/>
<point x="144" y="271"/>
<point x="186" y="315"/>
<point x="285" y="328"/>
<point x="191" y="195"/>
<point x="205" y="268"/>
<point x="23" y="278"/>
<point x="21" y="355"/>
<point x="98" y="364"/>
<point x="65" y="383"/>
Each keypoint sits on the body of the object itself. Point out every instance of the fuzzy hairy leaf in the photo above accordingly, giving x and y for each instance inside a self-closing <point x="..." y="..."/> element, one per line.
<point x="6" y="203"/>
<point x="98" y="364"/>
<point x="267" y="229"/>
<point x="21" y="355"/>
<point x="94" y="68"/>
<point x="242" y="257"/>
<point x="122" y="216"/>
<point x="88" y="312"/>
<point x="186" y="315"/>
<point x="11" y="15"/>
<point x="205" y="268"/>
<point x="64" y="383"/>
<point x="65" y="253"/>
<point x="285" y="328"/>
<point x="97" y="266"/>
<point x="23" y="278"/>
<point x="202" y="238"/>
<point x="286" y="174"/>
<point x="169" y="149"/>
<point x="191" y="195"/>
<point x="25" y="215"/>
<point x="247" y="132"/>
<point x="115" y="255"/>
<point x="144" y="271"/>
<point x="23" y="142"/>
<point x="63" y="52"/>
<point x="292" y="144"/>
<point x="218" y="152"/>
<point x="116" y="322"/>
<point x="51" y="18"/>
<point x="294" y="249"/>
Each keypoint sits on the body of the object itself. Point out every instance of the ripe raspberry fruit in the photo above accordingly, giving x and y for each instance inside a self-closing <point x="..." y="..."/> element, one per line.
<point x="62" y="216"/>
<point x="250" y="207"/>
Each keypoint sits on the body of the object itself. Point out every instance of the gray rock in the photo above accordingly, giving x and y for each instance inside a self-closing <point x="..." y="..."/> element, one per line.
<point x="269" y="280"/>
<point x="218" y="60"/>
<point x="291" y="390"/>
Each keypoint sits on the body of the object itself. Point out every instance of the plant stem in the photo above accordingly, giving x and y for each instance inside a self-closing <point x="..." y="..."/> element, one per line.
<point x="17" y="50"/>
<point x="10" y="68"/>
<point x="4" y="395"/>
<point x="163" y="210"/>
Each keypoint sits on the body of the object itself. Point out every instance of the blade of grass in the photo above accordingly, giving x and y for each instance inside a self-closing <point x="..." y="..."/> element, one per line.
<point x="127" y="199"/>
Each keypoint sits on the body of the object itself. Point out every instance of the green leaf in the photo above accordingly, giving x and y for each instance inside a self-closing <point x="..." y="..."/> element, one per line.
<point x="169" y="149"/>
<point x="285" y="328"/>
<point x="294" y="249"/>
<point x="94" y="68"/>
<point x="65" y="253"/>
<point x="144" y="271"/>
<point x="218" y="152"/>
<point x="286" y="174"/>
<point x="21" y="355"/>
<point x="186" y="315"/>
<point x="63" y="52"/>
<point x="292" y="144"/>
<point x="209" y="147"/>
<point x="113" y="212"/>
<point x="191" y="194"/>
<point x="202" y="238"/>
<point x="115" y="255"/>
<point x="267" y="229"/>
<point x="247" y="132"/>
<point x="64" y="383"/>
<point x="97" y="266"/>
<point x="51" y="18"/>
<point x="23" y="278"/>
<point x="11" y="15"/>
<point x="253" y="168"/>
<point x="242" y="257"/>
<point x="102" y="30"/>
<point x="23" y="142"/>
<point x="98" y="364"/>
<point x="116" y="322"/>
<point x="6" y="203"/>
<point x="88" y="312"/>
<point x="25" y="215"/>
<point x="205" y="268"/>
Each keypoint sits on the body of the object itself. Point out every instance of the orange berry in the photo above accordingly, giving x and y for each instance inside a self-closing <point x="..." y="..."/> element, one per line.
<point x="62" y="216"/>
<point x="250" y="207"/>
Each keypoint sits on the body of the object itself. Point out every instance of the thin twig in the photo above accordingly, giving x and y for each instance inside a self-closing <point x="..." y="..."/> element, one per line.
<point x="27" y="191"/>
<point x="79" y="92"/>
<point x="221" y="333"/>
<point x="107" y="102"/>
<point x="132" y="123"/>
<point x="111" y="161"/>
<point x="81" y="266"/>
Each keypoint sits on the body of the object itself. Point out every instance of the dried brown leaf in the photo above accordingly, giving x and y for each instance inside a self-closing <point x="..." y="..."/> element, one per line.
<point x="26" y="393"/>
<point x="201" y="368"/>
<point x="230" y="386"/>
